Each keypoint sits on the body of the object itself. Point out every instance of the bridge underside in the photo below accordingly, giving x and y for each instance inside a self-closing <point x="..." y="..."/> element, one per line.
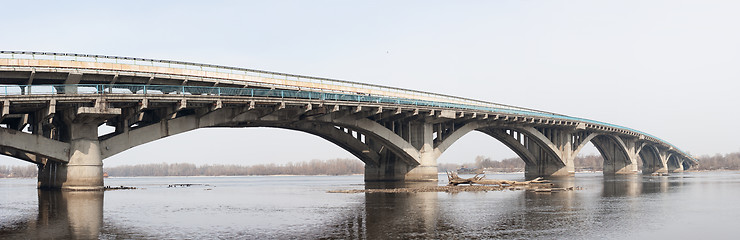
<point x="396" y="143"/>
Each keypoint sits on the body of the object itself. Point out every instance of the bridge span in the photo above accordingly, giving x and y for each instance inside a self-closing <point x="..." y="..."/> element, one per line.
<point x="53" y="104"/>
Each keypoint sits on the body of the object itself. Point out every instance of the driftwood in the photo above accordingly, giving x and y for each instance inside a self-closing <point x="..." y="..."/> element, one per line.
<point x="537" y="185"/>
<point x="455" y="180"/>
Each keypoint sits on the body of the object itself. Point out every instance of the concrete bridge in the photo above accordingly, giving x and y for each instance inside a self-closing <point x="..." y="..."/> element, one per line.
<point x="53" y="104"/>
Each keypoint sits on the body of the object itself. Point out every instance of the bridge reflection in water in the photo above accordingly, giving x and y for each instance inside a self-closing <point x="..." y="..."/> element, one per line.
<point x="606" y="206"/>
<point x="63" y="215"/>
<point x="507" y="214"/>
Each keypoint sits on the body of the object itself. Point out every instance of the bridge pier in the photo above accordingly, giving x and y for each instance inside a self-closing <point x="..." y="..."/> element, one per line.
<point x="392" y="168"/>
<point x="676" y="169"/>
<point x="84" y="171"/>
<point x="675" y="164"/>
<point x="389" y="169"/>
<point x="85" y="167"/>
<point x="654" y="160"/>
<point x="620" y="156"/>
<point x="546" y="169"/>
<point x="422" y="138"/>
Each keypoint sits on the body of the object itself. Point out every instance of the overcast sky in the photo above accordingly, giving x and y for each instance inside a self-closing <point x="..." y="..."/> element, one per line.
<point x="669" y="68"/>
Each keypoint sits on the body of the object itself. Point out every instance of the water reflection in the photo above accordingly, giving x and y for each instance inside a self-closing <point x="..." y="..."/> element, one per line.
<point x="432" y="215"/>
<point x="634" y="185"/>
<point x="63" y="215"/>
<point x="407" y="214"/>
<point x="237" y="209"/>
<point x="594" y="211"/>
<point x="622" y="186"/>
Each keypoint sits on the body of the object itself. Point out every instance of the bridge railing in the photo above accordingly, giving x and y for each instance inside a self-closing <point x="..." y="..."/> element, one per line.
<point x="223" y="91"/>
<point x="251" y="72"/>
<point x="282" y="94"/>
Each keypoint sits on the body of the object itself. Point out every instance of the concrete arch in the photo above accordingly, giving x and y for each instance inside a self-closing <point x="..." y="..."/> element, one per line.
<point x="686" y="164"/>
<point x="402" y="148"/>
<point x="546" y="144"/>
<point x="577" y="149"/>
<point x="441" y="147"/>
<point x="221" y="118"/>
<point x="674" y="163"/>
<point x="652" y="159"/>
<point x="543" y="157"/>
<point x="340" y="138"/>
<point x="511" y="143"/>
<point x="618" y="155"/>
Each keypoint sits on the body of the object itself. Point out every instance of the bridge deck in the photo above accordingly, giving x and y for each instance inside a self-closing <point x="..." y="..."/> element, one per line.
<point x="192" y="79"/>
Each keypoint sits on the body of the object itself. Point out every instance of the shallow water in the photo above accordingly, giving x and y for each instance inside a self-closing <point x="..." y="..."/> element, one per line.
<point x="682" y="205"/>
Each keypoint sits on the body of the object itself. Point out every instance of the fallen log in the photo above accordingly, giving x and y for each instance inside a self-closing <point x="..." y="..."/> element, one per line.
<point x="455" y="180"/>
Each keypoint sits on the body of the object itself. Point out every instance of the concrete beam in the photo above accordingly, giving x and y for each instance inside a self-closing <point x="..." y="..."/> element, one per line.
<point x="35" y="144"/>
<point x="95" y="114"/>
<point x="446" y="114"/>
<point x="30" y="79"/>
<point x="21" y="155"/>
<point x="115" y="79"/>
<point x="5" y="110"/>
<point x="72" y="78"/>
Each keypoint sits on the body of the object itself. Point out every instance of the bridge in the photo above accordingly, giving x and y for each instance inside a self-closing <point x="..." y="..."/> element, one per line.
<point x="53" y="104"/>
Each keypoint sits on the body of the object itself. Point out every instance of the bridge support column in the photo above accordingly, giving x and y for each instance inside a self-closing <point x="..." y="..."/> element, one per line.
<point x="676" y="169"/>
<point x="422" y="138"/>
<point x="85" y="167"/>
<point x="654" y="160"/>
<point x="553" y="153"/>
<point x="390" y="168"/>
<point x="549" y="168"/>
<point x="675" y="164"/>
<point x="84" y="171"/>
<point x="620" y="156"/>
<point x="393" y="168"/>
<point x="51" y="175"/>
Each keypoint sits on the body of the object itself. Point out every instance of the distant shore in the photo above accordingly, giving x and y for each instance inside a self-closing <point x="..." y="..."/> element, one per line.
<point x="337" y="167"/>
<point x="305" y="175"/>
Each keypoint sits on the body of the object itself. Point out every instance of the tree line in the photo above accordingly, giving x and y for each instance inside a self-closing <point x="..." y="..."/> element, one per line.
<point x="19" y="171"/>
<point x="729" y="161"/>
<point x="313" y="167"/>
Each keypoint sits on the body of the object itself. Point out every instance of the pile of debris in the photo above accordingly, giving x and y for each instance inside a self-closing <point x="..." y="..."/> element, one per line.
<point x="476" y="184"/>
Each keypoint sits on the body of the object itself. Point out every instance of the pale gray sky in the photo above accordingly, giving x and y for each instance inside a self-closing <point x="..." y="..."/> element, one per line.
<point x="669" y="68"/>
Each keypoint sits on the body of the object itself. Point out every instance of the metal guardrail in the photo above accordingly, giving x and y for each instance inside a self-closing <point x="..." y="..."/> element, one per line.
<point x="8" y="90"/>
<point x="247" y="72"/>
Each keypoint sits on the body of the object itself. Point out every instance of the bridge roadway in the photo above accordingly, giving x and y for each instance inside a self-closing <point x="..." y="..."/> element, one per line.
<point x="52" y="105"/>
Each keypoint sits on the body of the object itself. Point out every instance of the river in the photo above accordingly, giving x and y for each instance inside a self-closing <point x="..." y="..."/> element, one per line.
<point x="682" y="205"/>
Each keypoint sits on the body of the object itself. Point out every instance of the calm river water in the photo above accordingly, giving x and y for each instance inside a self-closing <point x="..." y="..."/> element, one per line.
<point x="683" y="206"/>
